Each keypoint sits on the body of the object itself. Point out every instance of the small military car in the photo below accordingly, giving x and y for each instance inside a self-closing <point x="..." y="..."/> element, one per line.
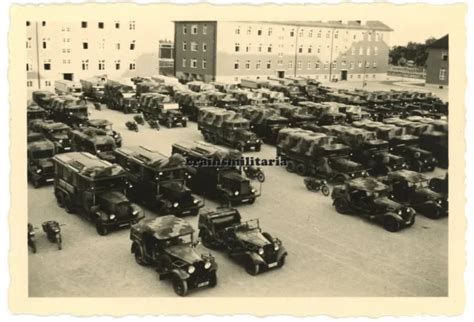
<point x="56" y="132"/>
<point x="369" y="198"/>
<point x="106" y="126"/>
<point x="167" y="244"/>
<point x="94" y="188"/>
<point x="244" y="241"/>
<point x="40" y="164"/>
<point x="412" y="188"/>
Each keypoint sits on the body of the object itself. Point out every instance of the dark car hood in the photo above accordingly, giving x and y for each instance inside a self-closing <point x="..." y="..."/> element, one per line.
<point x="59" y="136"/>
<point x="428" y="193"/>
<point x="245" y="134"/>
<point x="387" y="203"/>
<point x="175" y="190"/>
<point x="253" y="237"/>
<point x="107" y="155"/>
<point x="113" y="197"/>
<point x="185" y="253"/>
<point x="45" y="163"/>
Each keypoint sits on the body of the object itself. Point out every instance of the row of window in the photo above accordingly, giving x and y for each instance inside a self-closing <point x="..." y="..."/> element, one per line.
<point x="309" y="50"/>
<point x="194" y="46"/>
<point x="319" y="34"/>
<point x="84" y="64"/>
<point x="299" y="64"/>
<point x="195" y="29"/>
<point x="85" y="45"/>
<point x="193" y="63"/>
<point x="85" y="24"/>
<point x="443" y="74"/>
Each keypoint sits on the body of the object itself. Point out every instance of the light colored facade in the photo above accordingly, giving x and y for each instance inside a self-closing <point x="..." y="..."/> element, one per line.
<point x="257" y="50"/>
<point x="437" y="63"/>
<point x="81" y="49"/>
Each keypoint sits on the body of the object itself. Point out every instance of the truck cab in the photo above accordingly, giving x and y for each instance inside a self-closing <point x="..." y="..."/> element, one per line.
<point x="106" y="126"/>
<point x="94" y="141"/>
<point x="56" y="132"/>
<point x="40" y="165"/>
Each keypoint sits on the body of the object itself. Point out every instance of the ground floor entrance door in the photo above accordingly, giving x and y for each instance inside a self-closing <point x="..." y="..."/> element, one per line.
<point x="281" y="74"/>
<point x="68" y="76"/>
<point x="343" y="75"/>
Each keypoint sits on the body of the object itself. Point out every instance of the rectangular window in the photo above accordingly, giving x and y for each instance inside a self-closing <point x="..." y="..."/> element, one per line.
<point x="204" y="47"/>
<point x="367" y="64"/>
<point x="269" y="49"/>
<point x="319" y="34"/>
<point x="259" y="32"/>
<point x="185" y="30"/>
<point x="290" y="64"/>
<point x="132" y="66"/>
<point x="236" y="65"/>
<point x="185" y="46"/>
<point x="334" y="65"/>
<point x="27" y="23"/>
<point x="374" y="65"/>
<point x="117" y="25"/>
<point x="442" y="74"/>
<point x="28" y="67"/>
<point x="300" y="34"/>
<point x="247" y="64"/>
<point x="29" y="83"/>
<point x="310" y="33"/>
<point x="194" y="63"/>
<point x="204" y="64"/>
<point x="237" y="31"/>
<point x="85" y="65"/>
<point x="101" y="25"/>
<point x="270" y="31"/>
<point x="101" y="64"/>
<point x="194" y="30"/>
<point x="237" y="47"/>
<point x="131" y="25"/>
<point x="359" y="64"/>
<point x="317" y="66"/>
<point x="132" y="45"/>
<point x="248" y="48"/>
<point x="319" y="49"/>
<point x="353" y="51"/>
<point x="117" y="46"/>
<point x="194" y="46"/>
<point x="44" y="45"/>
<point x="47" y="83"/>
<point x="300" y="50"/>
<point x="292" y="33"/>
<point x="336" y="34"/>
<point x="84" y="24"/>
<point x="249" y="31"/>
<point x="368" y="51"/>
<point x="269" y="64"/>
<point x="184" y="62"/>
<point x="47" y="66"/>
<point x="310" y="49"/>
<point x="351" y="65"/>
<point x="444" y="56"/>
<point x="376" y="50"/>
<point x="309" y="65"/>
<point x="361" y="51"/>
<point x="28" y="44"/>
<point x="117" y="65"/>
<point x="204" y="30"/>
<point x="260" y="48"/>
<point x="326" y="65"/>
<point x="258" y="64"/>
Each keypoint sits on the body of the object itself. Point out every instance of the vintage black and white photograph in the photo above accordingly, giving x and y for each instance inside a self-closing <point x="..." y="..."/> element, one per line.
<point x="209" y="157"/>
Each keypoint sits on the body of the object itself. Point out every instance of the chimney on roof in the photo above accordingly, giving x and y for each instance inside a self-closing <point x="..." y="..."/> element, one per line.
<point x="354" y="22"/>
<point x="339" y="22"/>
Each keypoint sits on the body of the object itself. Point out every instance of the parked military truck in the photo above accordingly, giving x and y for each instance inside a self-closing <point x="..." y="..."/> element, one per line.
<point x="120" y="97"/>
<point x="161" y="108"/>
<point x="212" y="172"/>
<point x="326" y="113"/>
<point x="367" y="149"/>
<point x="68" y="87"/>
<point x="69" y="110"/>
<point x="158" y="181"/>
<point x="297" y="115"/>
<point x="106" y="126"/>
<point x="34" y="114"/>
<point x="40" y="166"/>
<point x="265" y="122"/>
<point x="93" y="141"/>
<point x="190" y="103"/>
<point x="150" y="86"/>
<point x="318" y="155"/>
<point x="220" y="126"/>
<point x="95" y="189"/>
<point x="43" y="99"/>
<point x="93" y="88"/>
<point x="56" y="132"/>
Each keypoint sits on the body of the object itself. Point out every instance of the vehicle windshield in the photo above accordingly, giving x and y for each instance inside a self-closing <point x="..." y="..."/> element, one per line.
<point x="238" y="125"/>
<point x="108" y="183"/>
<point x="168" y="175"/>
<point x="379" y="193"/>
<point x="179" y="240"/>
<point x="42" y="154"/>
<point x="78" y="111"/>
<point x="104" y="147"/>
<point x="36" y="115"/>
<point x="58" y="131"/>
<point x="76" y="90"/>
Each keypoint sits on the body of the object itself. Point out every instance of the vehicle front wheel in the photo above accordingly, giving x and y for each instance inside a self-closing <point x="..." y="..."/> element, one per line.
<point x="36" y="183"/>
<point x="391" y="224"/>
<point x="290" y="166"/>
<point x="301" y="169"/>
<point x="139" y="256"/>
<point x="325" y="190"/>
<point x="341" y="206"/>
<point x="68" y="205"/>
<point x="252" y="268"/>
<point x="213" y="279"/>
<point x="281" y="262"/>
<point x="180" y="286"/>
<point x="102" y="230"/>
<point x="60" y="199"/>
<point x="261" y="177"/>
<point x="206" y="239"/>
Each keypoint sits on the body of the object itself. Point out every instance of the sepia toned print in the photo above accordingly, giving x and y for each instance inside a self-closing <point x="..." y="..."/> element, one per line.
<point x="340" y="126"/>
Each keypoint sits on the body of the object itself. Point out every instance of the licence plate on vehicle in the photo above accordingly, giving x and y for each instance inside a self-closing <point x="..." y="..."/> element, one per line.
<point x="245" y="200"/>
<point x="186" y="212"/>
<point x="123" y="225"/>
<point x="203" y="284"/>
<point x="252" y="148"/>
<point x="272" y="265"/>
<point x="67" y="149"/>
<point x="49" y="179"/>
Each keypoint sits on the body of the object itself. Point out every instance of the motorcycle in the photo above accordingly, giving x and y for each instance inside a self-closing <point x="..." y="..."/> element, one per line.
<point x="313" y="184"/>
<point x="139" y="119"/>
<point x="132" y="126"/>
<point x="254" y="173"/>
<point x="53" y="232"/>
<point x="31" y="238"/>
<point x="154" y="124"/>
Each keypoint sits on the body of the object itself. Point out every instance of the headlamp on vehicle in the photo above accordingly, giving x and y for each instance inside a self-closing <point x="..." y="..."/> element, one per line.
<point x="440" y="201"/>
<point x="191" y="269"/>
<point x="236" y="193"/>
<point x="248" y="141"/>
<point x="253" y="190"/>
<point x="399" y="212"/>
<point x="195" y="201"/>
<point x="207" y="265"/>
<point x="276" y="246"/>
<point x="61" y="141"/>
<point x="112" y="217"/>
<point x="260" y="251"/>
<point x="176" y="205"/>
<point x="135" y="212"/>
<point x="160" y="173"/>
<point x="38" y="170"/>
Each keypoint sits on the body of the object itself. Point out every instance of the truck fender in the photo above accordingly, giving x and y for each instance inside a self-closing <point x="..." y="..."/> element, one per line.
<point x="181" y="274"/>
<point x="254" y="257"/>
<point x="102" y="216"/>
<point x="396" y="216"/>
<point x="135" y="246"/>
